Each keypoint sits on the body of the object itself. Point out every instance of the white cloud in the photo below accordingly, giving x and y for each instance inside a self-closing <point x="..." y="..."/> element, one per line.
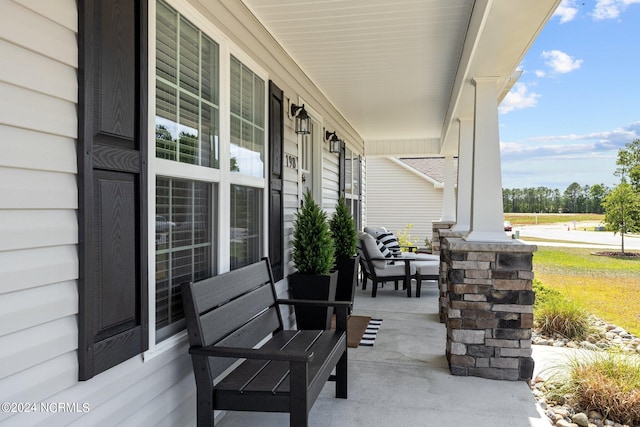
<point x="557" y="161"/>
<point x="540" y="73"/>
<point x="518" y="98"/>
<point x="611" y="9"/>
<point x="595" y="144"/>
<point x="567" y="10"/>
<point x="561" y="62"/>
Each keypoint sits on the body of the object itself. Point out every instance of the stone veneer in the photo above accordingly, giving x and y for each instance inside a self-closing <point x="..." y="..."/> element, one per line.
<point x="443" y="302"/>
<point x="489" y="308"/>
<point x="437" y="228"/>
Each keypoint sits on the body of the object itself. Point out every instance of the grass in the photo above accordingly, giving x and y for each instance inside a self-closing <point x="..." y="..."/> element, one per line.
<point x="607" y="287"/>
<point x="530" y="218"/>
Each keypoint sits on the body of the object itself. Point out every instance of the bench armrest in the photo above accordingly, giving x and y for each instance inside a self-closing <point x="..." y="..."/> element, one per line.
<point x="341" y="308"/>
<point x="317" y="303"/>
<point x="253" y="353"/>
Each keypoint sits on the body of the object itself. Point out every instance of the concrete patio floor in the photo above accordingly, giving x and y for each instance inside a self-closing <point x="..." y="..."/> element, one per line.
<point x="404" y="380"/>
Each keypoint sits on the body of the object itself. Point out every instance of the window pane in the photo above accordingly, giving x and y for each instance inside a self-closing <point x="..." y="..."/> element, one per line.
<point x="247" y="120"/>
<point x="189" y="57"/>
<point x="187" y="91"/>
<point x="188" y="137"/>
<point x="246" y="225"/>
<point x="210" y="87"/>
<point x="166" y="43"/>
<point x="183" y="245"/>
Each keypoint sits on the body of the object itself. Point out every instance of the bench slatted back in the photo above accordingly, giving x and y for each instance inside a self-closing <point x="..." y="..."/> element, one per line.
<point x="233" y="309"/>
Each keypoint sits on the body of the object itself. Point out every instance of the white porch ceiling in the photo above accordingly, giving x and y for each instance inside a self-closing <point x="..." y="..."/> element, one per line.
<point x="401" y="69"/>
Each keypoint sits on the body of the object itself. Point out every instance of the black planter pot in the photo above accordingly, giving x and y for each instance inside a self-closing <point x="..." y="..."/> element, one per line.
<point x="313" y="287"/>
<point x="347" y="278"/>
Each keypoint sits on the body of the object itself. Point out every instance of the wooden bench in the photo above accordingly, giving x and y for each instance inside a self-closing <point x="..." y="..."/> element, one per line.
<point x="227" y="317"/>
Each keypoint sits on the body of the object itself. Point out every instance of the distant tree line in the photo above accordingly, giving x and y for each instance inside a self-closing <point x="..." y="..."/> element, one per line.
<point x="575" y="199"/>
<point x="620" y="204"/>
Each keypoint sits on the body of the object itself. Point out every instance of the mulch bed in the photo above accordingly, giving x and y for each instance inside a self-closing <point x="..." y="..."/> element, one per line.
<point x="618" y="254"/>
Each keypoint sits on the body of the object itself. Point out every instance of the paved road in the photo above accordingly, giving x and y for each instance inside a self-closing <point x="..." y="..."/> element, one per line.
<point x="589" y="239"/>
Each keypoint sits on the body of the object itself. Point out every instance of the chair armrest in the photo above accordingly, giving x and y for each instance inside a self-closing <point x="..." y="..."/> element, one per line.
<point x="253" y="353"/>
<point x="404" y="259"/>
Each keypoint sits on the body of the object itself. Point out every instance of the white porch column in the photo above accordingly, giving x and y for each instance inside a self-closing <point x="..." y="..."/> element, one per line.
<point x="449" y="196"/>
<point x="465" y="175"/>
<point x="486" y="193"/>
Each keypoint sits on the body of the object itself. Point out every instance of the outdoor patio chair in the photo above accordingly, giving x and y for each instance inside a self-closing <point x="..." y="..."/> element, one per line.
<point x="390" y="240"/>
<point x="380" y="268"/>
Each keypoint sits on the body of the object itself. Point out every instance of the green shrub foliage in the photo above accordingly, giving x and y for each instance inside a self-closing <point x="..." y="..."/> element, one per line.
<point x="343" y="229"/>
<point x="313" y="248"/>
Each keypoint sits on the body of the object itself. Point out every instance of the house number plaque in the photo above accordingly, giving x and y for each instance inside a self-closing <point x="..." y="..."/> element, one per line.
<point x="291" y="161"/>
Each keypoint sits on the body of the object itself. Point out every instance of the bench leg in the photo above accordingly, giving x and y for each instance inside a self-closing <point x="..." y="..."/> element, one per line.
<point x="298" y="404"/>
<point x="204" y="411"/>
<point x="418" y="286"/>
<point x="341" y="377"/>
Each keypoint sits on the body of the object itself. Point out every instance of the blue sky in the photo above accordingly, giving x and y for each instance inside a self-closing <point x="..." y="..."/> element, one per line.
<point x="578" y="99"/>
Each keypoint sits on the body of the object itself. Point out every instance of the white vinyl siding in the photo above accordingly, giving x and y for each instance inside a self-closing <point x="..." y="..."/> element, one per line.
<point x="397" y="197"/>
<point x="38" y="202"/>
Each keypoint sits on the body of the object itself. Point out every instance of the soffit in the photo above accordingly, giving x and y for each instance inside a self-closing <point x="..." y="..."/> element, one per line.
<point x="388" y="66"/>
<point x="402" y="69"/>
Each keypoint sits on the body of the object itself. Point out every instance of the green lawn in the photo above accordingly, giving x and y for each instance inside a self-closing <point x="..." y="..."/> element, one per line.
<point x="530" y="218"/>
<point x="607" y="287"/>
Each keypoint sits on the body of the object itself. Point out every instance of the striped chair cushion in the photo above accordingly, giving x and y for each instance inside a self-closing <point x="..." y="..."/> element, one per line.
<point x="390" y="241"/>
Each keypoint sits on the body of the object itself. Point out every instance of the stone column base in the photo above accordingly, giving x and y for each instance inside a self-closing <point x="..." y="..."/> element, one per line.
<point x="443" y="303"/>
<point x="489" y="309"/>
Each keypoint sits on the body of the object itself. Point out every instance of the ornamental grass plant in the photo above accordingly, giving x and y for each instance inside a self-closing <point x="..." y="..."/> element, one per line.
<point x="604" y="381"/>
<point x="556" y="315"/>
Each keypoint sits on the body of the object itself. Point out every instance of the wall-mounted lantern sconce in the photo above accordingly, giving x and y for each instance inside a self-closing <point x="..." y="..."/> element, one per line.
<point x="303" y="121"/>
<point x="335" y="143"/>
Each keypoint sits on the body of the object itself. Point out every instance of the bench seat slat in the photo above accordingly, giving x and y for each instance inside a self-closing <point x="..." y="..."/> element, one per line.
<point x="327" y="343"/>
<point x="248" y="371"/>
<point x="270" y="379"/>
<point x="247" y="336"/>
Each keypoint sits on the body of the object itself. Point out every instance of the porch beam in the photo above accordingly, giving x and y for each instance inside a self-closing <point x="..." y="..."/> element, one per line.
<point x="486" y="194"/>
<point x="449" y="195"/>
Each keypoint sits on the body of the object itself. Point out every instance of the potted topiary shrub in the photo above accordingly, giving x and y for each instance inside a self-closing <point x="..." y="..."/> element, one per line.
<point x="313" y="256"/>
<point x="345" y="239"/>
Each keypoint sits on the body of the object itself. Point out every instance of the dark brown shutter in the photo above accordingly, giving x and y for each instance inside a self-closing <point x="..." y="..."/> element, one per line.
<point x="112" y="153"/>
<point x="276" y="207"/>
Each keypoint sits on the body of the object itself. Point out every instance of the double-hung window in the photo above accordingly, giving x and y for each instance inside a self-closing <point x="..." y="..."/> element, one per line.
<point x="247" y="151"/>
<point x="187" y="112"/>
<point x="209" y="162"/>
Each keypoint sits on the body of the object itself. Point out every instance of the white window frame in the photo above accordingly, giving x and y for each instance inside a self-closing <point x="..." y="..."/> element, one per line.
<point x="222" y="177"/>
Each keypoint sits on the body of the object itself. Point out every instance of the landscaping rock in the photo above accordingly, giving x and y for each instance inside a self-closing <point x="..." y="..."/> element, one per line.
<point x="605" y="336"/>
<point x="581" y="419"/>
